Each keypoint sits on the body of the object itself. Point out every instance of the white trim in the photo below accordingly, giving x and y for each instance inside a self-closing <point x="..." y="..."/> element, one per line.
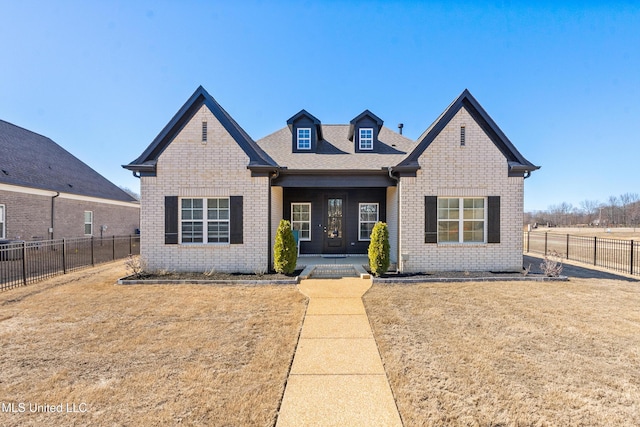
<point x="360" y="222"/>
<point x="90" y="223"/>
<point x="205" y="222"/>
<point x="298" y="139"/>
<point x="368" y="139"/>
<point x="3" y="221"/>
<point x="70" y="196"/>
<point x="461" y="221"/>
<point x="309" y="221"/>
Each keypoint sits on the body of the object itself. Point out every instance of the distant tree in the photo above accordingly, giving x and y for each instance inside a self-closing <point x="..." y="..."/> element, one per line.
<point x="130" y="192"/>
<point x="590" y="209"/>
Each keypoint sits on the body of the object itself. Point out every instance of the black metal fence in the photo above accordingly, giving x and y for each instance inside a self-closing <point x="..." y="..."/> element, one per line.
<point x="22" y="263"/>
<point x="613" y="254"/>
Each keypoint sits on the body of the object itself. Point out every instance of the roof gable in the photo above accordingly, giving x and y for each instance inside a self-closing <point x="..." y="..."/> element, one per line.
<point x="146" y="162"/>
<point x="31" y="160"/>
<point x="518" y="165"/>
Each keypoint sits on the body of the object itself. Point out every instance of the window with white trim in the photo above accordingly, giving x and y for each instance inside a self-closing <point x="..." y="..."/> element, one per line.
<point x="301" y="220"/>
<point x="461" y="220"/>
<point x="88" y="223"/>
<point x="366" y="139"/>
<point x="200" y="215"/>
<point x="2" y="222"/>
<point x="367" y="219"/>
<point x="304" y="139"/>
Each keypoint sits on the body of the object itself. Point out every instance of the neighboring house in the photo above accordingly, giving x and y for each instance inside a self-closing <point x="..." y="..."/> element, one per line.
<point x="212" y="197"/>
<point x="46" y="193"/>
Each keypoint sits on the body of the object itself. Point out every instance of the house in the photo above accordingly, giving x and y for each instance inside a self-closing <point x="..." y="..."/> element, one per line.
<point x="46" y="192"/>
<point x="212" y="197"/>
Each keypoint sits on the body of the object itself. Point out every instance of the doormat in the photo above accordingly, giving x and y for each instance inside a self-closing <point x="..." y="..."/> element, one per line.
<point x="334" y="256"/>
<point x="333" y="271"/>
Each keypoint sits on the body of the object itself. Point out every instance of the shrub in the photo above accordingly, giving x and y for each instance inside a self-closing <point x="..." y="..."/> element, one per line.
<point x="551" y="266"/>
<point x="379" y="249"/>
<point x="285" y="253"/>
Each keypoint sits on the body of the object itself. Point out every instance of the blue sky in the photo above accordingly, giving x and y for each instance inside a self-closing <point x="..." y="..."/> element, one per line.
<point x="561" y="79"/>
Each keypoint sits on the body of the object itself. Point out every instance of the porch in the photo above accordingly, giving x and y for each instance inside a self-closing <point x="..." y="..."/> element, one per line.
<point x="332" y="266"/>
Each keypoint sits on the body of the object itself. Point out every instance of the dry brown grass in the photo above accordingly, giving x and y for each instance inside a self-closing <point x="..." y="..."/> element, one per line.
<point x="511" y="353"/>
<point x="621" y="233"/>
<point x="146" y="355"/>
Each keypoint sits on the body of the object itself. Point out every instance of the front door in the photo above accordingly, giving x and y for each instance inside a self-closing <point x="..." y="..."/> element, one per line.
<point x="334" y="216"/>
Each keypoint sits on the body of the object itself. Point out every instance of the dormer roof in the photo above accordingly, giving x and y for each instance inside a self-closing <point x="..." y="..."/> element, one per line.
<point x="304" y="113"/>
<point x="359" y="117"/>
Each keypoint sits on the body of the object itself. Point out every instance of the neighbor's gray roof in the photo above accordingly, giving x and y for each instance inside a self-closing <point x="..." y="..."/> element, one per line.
<point x="335" y="151"/>
<point x="31" y="160"/>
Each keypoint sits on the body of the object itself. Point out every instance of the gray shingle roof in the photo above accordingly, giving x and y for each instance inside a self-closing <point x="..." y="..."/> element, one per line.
<point x="335" y="151"/>
<point x="31" y="160"/>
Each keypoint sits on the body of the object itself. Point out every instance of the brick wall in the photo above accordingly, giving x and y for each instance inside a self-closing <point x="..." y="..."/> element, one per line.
<point x="189" y="168"/>
<point x="448" y="169"/>
<point x="28" y="216"/>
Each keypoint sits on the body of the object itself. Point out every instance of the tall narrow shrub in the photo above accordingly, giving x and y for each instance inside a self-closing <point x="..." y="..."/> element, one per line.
<point x="379" y="249"/>
<point x="285" y="253"/>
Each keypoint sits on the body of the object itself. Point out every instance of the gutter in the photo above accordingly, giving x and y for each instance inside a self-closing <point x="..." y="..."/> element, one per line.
<point x="53" y="206"/>
<point x="397" y="180"/>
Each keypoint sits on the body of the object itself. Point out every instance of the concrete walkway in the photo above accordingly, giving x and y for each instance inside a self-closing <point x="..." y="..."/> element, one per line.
<point x="337" y="377"/>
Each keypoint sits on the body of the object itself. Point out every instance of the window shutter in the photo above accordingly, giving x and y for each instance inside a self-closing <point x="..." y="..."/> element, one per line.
<point x="235" y="220"/>
<point x="493" y="220"/>
<point x="171" y="220"/>
<point x="431" y="219"/>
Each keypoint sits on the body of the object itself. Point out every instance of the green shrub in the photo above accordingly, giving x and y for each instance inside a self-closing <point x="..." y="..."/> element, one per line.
<point x="379" y="249"/>
<point x="285" y="253"/>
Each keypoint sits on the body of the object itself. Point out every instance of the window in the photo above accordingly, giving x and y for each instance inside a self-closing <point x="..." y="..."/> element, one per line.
<point x="198" y="215"/>
<point x="88" y="223"/>
<point x="204" y="131"/>
<point x="461" y="220"/>
<point x="2" y="222"/>
<point x="368" y="218"/>
<point x="304" y="138"/>
<point x="366" y="139"/>
<point x="301" y="220"/>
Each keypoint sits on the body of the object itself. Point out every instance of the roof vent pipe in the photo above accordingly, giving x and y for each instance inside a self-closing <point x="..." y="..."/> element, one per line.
<point x="400" y="126"/>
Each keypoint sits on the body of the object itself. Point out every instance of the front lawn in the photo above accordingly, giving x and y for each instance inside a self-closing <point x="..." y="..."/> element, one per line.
<point x="511" y="353"/>
<point x="145" y="355"/>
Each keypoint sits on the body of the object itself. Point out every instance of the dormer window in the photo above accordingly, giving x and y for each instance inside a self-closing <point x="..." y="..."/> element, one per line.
<point x="304" y="139"/>
<point x="366" y="139"/>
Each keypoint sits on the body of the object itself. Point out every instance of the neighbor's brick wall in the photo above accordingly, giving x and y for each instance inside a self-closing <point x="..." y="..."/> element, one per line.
<point x="28" y="217"/>
<point x="447" y="169"/>
<point x="188" y="168"/>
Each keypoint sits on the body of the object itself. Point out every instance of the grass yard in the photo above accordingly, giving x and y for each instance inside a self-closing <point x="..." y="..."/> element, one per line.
<point x="621" y="233"/>
<point x="145" y="355"/>
<point x="511" y="353"/>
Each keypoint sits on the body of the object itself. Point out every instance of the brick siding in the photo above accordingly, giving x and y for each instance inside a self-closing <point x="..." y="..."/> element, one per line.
<point x="190" y="168"/>
<point x="449" y="169"/>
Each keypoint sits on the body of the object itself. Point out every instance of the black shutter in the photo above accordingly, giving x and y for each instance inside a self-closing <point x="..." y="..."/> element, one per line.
<point x="430" y="219"/>
<point x="235" y="220"/>
<point x="171" y="220"/>
<point x="493" y="220"/>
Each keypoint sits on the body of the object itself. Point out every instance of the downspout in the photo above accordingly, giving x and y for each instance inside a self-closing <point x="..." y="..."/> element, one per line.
<point x="397" y="180"/>
<point x="53" y="206"/>
<point x="271" y="179"/>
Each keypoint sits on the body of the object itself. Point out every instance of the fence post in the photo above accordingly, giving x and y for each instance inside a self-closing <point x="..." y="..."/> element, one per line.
<point x="130" y="244"/>
<point x="64" y="256"/>
<point x="545" y="243"/>
<point x="631" y="261"/>
<point x="567" y="246"/>
<point x="24" y="263"/>
<point x="595" y="250"/>
<point x="93" y="259"/>
<point x="528" y="241"/>
<point x="113" y="248"/>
